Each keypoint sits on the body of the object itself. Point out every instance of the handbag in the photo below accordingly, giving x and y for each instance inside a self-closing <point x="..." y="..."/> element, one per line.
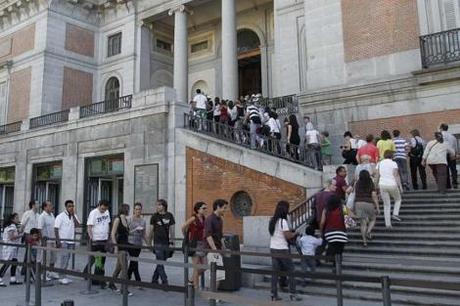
<point x="189" y="246"/>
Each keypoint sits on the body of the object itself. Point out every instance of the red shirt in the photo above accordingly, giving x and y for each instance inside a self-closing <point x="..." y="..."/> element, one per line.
<point x="196" y="230"/>
<point x="371" y="150"/>
<point x="340" y="183"/>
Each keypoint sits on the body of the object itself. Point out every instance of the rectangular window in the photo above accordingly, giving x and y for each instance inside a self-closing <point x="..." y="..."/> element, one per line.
<point x="114" y="45"/>
<point x="163" y="45"/>
<point x="200" y="46"/>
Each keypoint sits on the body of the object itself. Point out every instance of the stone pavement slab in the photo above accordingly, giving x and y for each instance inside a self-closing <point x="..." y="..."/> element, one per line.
<point x="56" y="294"/>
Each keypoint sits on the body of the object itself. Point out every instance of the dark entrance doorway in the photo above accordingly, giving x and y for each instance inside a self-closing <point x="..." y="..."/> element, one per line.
<point x="47" y="184"/>
<point x="104" y="181"/>
<point x="249" y="63"/>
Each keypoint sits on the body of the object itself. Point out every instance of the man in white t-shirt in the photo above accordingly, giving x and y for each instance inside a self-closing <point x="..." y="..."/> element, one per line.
<point x="64" y="230"/>
<point x="46" y="227"/>
<point x="98" y="224"/>
<point x="389" y="182"/>
<point x="313" y="147"/>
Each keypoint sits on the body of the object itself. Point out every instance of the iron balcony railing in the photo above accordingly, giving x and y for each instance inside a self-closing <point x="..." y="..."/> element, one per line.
<point x="283" y="105"/>
<point x="440" y="48"/>
<point x="49" y="119"/>
<point x="241" y="136"/>
<point x="104" y="107"/>
<point x="10" y="128"/>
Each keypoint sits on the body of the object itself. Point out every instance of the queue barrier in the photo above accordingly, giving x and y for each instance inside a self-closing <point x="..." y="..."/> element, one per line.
<point x="188" y="290"/>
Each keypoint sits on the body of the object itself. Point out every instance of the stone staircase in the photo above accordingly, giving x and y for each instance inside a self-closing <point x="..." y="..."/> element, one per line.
<point x="424" y="246"/>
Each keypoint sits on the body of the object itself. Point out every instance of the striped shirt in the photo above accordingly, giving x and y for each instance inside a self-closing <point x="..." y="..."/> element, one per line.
<point x="400" y="145"/>
<point x="253" y="111"/>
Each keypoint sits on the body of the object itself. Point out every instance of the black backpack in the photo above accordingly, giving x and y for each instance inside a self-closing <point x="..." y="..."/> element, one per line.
<point x="416" y="151"/>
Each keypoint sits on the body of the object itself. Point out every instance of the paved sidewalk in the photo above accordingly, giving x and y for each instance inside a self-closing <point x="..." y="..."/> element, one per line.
<point x="56" y="294"/>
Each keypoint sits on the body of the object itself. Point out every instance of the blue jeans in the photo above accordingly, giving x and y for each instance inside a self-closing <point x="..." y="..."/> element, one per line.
<point x="403" y="171"/>
<point x="284" y="265"/>
<point x="161" y="253"/>
<point x="65" y="256"/>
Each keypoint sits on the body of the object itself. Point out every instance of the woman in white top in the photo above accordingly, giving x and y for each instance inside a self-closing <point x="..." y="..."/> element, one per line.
<point x="10" y="252"/>
<point x="435" y="156"/>
<point x="280" y="234"/>
<point x="389" y="182"/>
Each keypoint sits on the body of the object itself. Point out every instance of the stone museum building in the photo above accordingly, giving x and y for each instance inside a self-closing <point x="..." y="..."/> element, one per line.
<point x="93" y="93"/>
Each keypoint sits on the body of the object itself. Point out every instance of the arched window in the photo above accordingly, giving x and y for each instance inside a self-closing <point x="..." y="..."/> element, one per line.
<point x="112" y="89"/>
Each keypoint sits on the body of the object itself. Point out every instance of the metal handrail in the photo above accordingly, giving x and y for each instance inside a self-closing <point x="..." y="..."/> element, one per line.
<point x="10" y="128"/>
<point x="300" y="214"/>
<point x="49" y="119"/>
<point x="242" y="137"/>
<point x="282" y="105"/>
<point x="440" y="48"/>
<point x="107" y="106"/>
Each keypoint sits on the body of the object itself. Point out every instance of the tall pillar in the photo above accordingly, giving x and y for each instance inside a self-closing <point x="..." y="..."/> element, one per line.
<point x="145" y="61"/>
<point x="229" y="51"/>
<point x="180" y="53"/>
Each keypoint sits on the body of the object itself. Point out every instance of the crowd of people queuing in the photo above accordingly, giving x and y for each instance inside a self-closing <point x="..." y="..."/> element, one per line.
<point x="125" y="233"/>
<point x="410" y="156"/>
<point x="263" y="128"/>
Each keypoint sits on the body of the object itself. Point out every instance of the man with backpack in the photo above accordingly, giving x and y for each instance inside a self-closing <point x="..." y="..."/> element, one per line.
<point x="415" y="159"/>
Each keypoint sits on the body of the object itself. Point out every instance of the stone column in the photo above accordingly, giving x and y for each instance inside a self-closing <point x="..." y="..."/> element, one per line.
<point x="180" y="53"/>
<point x="145" y="52"/>
<point x="229" y="51"/>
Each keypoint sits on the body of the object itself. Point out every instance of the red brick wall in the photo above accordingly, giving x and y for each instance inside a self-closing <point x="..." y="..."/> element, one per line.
<point x="77" y="89"/>
<point x="19" y="96"/>
<point x="379" y="27"/>
<point x="210" y="178"/>
<point x="79" y="40"/>
<point x="17" y="43"/>
<point x="426" y="123"/>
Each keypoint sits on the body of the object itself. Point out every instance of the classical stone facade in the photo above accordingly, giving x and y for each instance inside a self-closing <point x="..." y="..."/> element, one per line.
<point x="59" y="58"/>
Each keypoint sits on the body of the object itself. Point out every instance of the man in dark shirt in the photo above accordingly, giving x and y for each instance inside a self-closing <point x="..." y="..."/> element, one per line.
<point x="162" y="224"/>
<point x="321" y="199"/>
<point x="213" y="227"/>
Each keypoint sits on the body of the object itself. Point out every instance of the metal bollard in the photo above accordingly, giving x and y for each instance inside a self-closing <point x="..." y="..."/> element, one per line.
<point x="386" y="292"/>
<point x="212" y="302"/>
<point x="186" y="274"/>
<point x="44" y="259"/>
<point x="124" y="272"/>
<point x="89" y="289"/>
<point x="28" y="270"/>
<point x="38" y="284"/>
<point x="191" y="295"/>
<point x="338" y="272"/>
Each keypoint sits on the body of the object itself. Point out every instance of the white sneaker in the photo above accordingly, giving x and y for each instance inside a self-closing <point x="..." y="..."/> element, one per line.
<point x="53" y="275"/>
<point x="65" y="281"/>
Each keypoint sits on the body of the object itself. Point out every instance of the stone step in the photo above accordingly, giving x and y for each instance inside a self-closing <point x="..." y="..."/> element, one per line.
<point x="385" y="268"/>
<point x="425" y="236"/>
<point x="438" y="211"/>
<point x="433" y="193"/>
<point x="379" y="228"/>
<point x="419" y="222"/>
<point x="408" y="259"/>
<point x="372" y="292"/>
<point x="453" y="200"/>
<point x="424" y="217"/>
<point x="397" y="251"/>
<point x="426" y="243"/>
